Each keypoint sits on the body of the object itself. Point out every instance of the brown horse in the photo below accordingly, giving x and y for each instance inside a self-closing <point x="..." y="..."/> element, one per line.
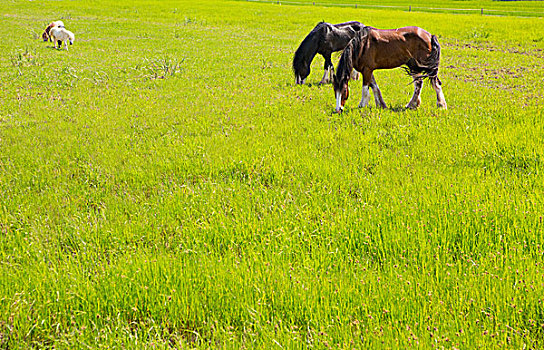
<point x="46" y="36"/>
<point x="412" y="47"/>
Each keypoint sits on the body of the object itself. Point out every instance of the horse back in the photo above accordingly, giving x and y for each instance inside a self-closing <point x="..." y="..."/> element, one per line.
<point x="390" y="48"/>
<point x="400" y="34"/>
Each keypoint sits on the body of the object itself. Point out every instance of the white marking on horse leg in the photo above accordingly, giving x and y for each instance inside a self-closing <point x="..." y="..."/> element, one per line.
<point x="339" y="107"/>
<point x="378" y="99"/>
<point x="365" y="98"/>
<point x="415" y="101"/>
<point x="440" y="99"/>
<point x="354" y="75"/>
<point x="325" y="78"/>
<point x="380" y="103"/>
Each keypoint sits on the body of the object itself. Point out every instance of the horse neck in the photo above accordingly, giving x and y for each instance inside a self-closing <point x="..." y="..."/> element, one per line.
<point x="343" y="69"/>
<point x="306" y="52"/>
<point x="340" y="38"/>
<point x="350" y="57"/>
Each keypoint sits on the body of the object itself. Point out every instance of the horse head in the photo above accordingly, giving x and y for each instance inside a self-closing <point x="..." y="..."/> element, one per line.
<point x="341" y="91"/>
<point x="342" y="77"/>
<point x="306" y="52"/>
<point x="301" y="74"/>
<point x="301" y="68"/>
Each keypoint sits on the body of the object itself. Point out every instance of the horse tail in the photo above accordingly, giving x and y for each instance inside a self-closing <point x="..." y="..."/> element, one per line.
<point x="307" y="50"/>
<point x="434" y="56"/>
<point x="429" y="67"/>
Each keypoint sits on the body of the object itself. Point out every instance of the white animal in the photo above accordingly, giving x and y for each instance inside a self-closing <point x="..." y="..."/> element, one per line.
<point x="61" y="34"/>
<point x="46" y="36"/>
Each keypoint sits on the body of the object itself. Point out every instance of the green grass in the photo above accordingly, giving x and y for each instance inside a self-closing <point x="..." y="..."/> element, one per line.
<point x="164" y="184"/>
<point x="528" y="8"/>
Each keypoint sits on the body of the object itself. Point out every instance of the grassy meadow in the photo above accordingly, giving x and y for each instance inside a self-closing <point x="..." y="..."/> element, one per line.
<point x="164" y="184"/>
<point x="527" y="8"/>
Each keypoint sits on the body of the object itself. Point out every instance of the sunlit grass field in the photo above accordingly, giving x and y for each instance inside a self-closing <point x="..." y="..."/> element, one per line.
<point x="530" y="8"/>
<point x="163" y="183"/>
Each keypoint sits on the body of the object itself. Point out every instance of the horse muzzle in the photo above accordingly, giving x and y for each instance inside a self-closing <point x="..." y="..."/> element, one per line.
<point x="339" y="103"/>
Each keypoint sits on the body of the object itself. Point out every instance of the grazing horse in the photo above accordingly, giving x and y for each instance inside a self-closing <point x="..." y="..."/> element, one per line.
<point x="324" y="39"/>
<point x="411" y="47"/>
<point x="60" y="35"/>
<point x="45" y="35"/>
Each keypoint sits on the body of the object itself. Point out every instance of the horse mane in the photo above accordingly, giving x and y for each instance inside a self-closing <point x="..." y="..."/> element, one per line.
<point x="354" y="24"/>
<point x="308" y="49"/>
<point x="353" y="50"/>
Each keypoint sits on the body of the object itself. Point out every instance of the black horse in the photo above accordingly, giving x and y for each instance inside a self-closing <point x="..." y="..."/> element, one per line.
<point x="324" y="39"/>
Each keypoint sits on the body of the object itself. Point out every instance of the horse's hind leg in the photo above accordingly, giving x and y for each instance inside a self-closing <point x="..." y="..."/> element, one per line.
<point x="380" y="103"/>
<point x="440" y="99"/>
<point x="416" y="97"/>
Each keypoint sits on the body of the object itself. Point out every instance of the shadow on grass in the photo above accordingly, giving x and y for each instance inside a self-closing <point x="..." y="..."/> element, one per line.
<point x="396" y="109"/>
<point x="310" y="85"/>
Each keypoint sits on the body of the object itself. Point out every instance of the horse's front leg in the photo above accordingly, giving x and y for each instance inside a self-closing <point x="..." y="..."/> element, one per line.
<point x="354" y="75"/>
<point x="367" y="80"/>
<point x="329" y="69"/>
<point x="326" y="76"/>
<point x="380" y="103"/>
<point x="416" y="97"/>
